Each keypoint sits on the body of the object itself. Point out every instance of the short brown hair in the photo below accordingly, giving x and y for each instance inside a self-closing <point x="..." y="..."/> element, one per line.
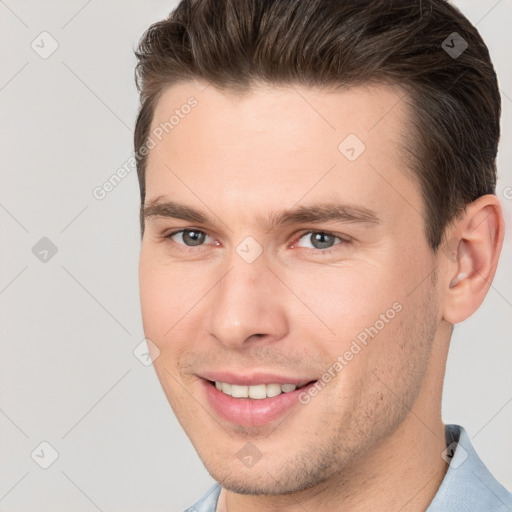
<point x="455" y="98"/>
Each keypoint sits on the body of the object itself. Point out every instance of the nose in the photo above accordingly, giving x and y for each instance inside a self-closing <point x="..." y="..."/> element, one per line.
<point x="247" y="305"/>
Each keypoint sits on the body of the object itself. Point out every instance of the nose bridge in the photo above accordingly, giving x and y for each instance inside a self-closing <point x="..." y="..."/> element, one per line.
<point x="246" y="301"/>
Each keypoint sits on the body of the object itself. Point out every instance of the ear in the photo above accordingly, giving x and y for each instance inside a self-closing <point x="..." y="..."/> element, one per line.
<point x="471" y="257"/>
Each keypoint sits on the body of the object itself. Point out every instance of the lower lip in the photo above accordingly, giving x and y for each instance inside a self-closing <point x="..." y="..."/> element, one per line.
<point x="251" y="412"/>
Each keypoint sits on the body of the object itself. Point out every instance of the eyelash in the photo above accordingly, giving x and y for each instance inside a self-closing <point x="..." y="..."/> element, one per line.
<point x="343" y="241"/>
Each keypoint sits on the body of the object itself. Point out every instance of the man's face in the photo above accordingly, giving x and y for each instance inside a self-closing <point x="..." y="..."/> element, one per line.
<point x="243" y="298"/>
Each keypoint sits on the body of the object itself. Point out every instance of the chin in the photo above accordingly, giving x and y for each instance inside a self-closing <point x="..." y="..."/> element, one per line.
<point x="264" y="484"/>
<point x="269" y="477"/>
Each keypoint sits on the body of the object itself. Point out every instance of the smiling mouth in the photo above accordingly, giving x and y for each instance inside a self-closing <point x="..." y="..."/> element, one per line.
<point x="257" y="391"/>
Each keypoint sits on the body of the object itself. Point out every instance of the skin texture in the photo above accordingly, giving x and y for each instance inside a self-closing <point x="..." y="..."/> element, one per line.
<point x="372" y="438"/>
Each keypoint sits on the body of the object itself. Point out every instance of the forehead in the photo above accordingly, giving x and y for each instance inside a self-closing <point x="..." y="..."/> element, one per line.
<point x="290" y="141"/>
<point x="293" y="110"/>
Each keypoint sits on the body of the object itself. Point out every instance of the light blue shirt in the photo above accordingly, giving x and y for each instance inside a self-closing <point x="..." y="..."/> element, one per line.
<point x="468" y="486"/>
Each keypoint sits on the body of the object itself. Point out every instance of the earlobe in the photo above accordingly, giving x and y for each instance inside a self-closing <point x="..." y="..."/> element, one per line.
<point x="478" y="237"/>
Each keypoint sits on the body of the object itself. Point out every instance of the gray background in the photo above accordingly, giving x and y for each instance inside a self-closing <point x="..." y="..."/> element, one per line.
<point x="68" y="375"/>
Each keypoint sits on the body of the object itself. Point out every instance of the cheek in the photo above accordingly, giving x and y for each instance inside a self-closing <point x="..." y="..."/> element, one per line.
<point x="340" y="302"/>
<point x="161" y="294"/>
<point x="170" y="297"/>
<point x="153" y="297"/>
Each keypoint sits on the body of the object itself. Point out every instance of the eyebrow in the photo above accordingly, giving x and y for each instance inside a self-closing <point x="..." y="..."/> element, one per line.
<point x="310" y="214"/>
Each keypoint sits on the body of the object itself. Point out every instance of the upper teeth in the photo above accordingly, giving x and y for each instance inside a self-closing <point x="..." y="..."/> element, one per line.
<point x="258" y="392"/>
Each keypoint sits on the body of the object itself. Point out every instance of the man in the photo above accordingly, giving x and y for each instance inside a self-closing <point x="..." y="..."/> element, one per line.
<point x="318" y="210"/>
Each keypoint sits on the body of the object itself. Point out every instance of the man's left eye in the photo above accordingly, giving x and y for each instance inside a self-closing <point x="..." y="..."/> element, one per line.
<point x="321" y="239"/>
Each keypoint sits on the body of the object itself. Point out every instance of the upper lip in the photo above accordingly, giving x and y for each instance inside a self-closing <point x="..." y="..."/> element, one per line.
<point x="253" y="378"/>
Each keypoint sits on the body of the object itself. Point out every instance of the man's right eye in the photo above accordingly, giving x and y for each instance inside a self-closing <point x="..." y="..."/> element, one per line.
<point x="189" y="237"/>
